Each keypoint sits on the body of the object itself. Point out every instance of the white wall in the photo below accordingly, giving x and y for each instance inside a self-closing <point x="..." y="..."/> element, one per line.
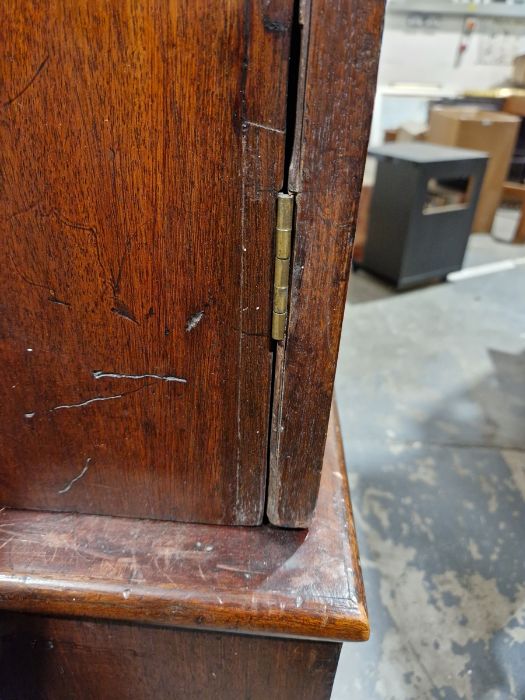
<point x="427" y="55"/>
<point x="425" y="58"/>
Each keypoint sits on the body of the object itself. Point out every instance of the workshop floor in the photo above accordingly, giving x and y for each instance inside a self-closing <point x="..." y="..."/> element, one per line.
<point x="431" y="394"/>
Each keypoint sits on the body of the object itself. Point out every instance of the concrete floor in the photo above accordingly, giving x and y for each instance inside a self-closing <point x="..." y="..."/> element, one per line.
<point x="431" y="393"/>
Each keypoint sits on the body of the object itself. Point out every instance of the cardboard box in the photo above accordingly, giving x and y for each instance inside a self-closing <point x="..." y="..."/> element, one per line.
<point x="495" y="133"/>
<point x="515" y="105"/>
<point x="412" y="131"/>
<point x="518" y="73"/>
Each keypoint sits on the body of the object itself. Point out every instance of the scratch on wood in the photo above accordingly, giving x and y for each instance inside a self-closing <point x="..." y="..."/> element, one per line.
<point x="52" y="296"/>
<point x="81" y="404"/>
<point x="73" y="224"/>
<point x="87" y="402"/>
<point x="28" y="281"/>
<point x="23" y="211"/>
<point x="99" y="374"/>
<point x="247" y="334"/>
<point x="83" y="227"/>
<point x="265" y="127"/>
<point x="194" y="321"/>
<point x="60" y="302"/>
<point x="76" y="478"/>
<point x="28" y="84"/>
<point x="117" y="279"/>
<point x="241" y="302"/>
<point x="4" y="544"/>
<point x="236" y="570"/>
<point x="244" y="143"/>
<point x="122" y="310"/>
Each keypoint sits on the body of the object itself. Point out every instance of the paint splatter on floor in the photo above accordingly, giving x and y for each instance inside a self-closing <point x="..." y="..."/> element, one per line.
<point x="431" y="392"/>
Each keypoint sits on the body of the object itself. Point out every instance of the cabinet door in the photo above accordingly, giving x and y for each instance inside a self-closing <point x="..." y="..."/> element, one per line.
<point x="337" y="76"/>
<point x="142" y="144"/>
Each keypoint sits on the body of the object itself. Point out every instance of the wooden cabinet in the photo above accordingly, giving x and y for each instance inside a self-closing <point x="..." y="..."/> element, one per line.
<point x="143" y="147"/>
<point x="144" y="144"/>
<point x="62" y="659"/>
<point x="102" y="607"/>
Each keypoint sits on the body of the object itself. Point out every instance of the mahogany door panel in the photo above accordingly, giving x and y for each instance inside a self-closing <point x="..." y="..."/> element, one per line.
<point x="142" y="144"/>
<point x="337" y="75"/>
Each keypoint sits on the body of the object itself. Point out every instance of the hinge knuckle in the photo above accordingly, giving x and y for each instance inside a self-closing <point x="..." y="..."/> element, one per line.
<point x="283" y="250"/>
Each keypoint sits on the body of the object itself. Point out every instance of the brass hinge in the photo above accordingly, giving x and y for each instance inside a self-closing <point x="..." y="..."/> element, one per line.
<point x="283" y="249"/>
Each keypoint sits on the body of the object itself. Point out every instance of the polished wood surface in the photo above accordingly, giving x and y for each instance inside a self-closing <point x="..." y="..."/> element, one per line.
<point x="142" y="147"/>
<point x="257" y="580"/>
<point x="341" y="40"/>
<point x="66" y="659"/>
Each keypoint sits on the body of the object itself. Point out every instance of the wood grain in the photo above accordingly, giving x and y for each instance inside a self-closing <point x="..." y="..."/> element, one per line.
<point x="261" y="580"/>
<point x="60" y="659"/>
<point x="142" y="147"/>
<point x="340" y="56"/>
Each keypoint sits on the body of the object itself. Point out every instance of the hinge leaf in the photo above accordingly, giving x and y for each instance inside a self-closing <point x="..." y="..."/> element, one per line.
<point x="283" y="250"/>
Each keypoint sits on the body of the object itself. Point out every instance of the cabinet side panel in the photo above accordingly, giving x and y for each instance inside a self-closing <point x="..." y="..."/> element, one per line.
<point x="60" y="659"/>
<point x="342" y="57"/>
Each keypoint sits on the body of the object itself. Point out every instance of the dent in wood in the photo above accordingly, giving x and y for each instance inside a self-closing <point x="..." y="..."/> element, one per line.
<point x="274" y="26"/>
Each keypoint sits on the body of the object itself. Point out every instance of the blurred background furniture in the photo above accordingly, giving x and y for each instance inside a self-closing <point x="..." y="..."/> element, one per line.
<point x="515" y="192"/>
<point x="515" y="105"/>
<point x="493" y="132"/>
<point x="421" y="212"/>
